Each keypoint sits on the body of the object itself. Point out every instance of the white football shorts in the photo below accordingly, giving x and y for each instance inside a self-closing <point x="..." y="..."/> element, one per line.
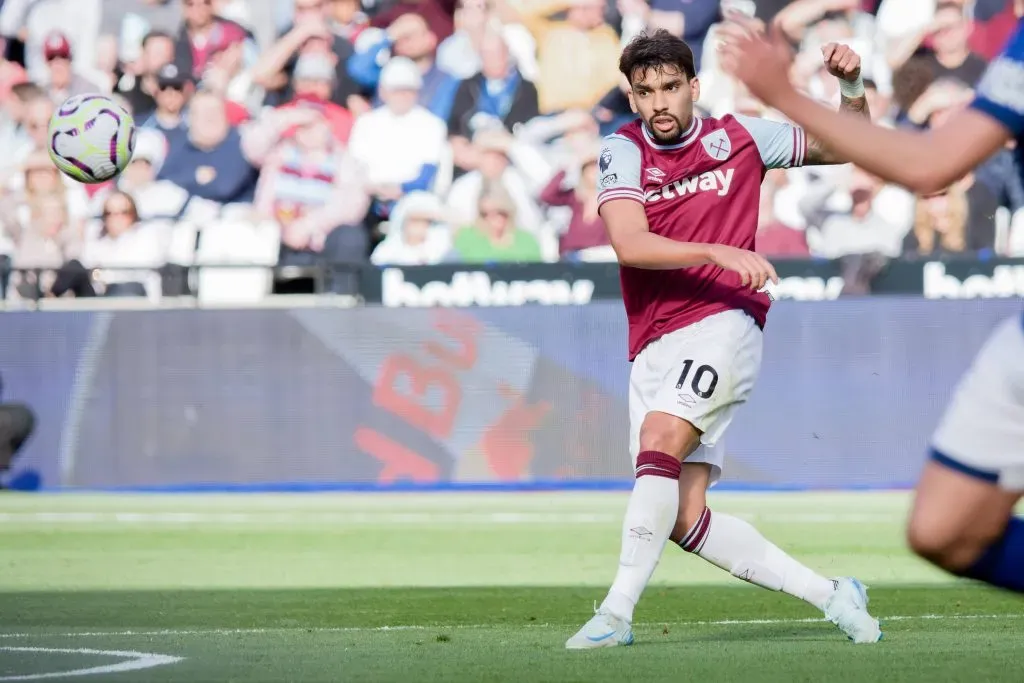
<point x="701" y="373"/>
<point x="982" y="431"/>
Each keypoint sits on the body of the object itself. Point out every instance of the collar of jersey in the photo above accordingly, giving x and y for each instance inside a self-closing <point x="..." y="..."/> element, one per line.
<point x="687" y="138"/>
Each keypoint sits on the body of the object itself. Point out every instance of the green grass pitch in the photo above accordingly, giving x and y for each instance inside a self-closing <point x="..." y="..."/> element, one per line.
<point x="459" y="587"/>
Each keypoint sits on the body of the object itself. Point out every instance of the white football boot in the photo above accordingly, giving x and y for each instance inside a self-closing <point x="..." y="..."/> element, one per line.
<point x="848" y="609"/>
<point x="603" y="630"/>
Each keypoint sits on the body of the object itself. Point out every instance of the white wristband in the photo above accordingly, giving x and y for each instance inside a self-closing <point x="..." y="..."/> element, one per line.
<point x="852" y="89"/>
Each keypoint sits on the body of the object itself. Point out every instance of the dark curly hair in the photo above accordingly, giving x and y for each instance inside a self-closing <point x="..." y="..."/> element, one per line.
<point x="655" y="52"/>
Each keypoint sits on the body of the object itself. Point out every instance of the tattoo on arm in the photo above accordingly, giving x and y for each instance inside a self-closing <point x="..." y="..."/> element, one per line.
<point x="817" y="153"/>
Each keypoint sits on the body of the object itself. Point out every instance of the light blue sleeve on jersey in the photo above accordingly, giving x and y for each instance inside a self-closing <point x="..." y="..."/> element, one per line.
<point x="1000" y="94"/>
<point x="782" y="145"/>
<point x="618" y="170"/>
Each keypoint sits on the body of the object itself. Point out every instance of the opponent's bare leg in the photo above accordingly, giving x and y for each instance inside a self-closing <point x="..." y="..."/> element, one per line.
<point x="665" y="441"/>
<point x="736" y="546"/>
<point x="965" y="525"/>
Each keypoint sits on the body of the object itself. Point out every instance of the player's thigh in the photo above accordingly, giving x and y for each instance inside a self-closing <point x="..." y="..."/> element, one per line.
<point x="707" y="371"/>
<point x="955" y="515"/>
<point x="651" y="429"/>
<point x="977" y="457"/>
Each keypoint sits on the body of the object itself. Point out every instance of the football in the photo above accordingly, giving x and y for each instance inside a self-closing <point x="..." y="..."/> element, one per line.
<point x="91" y="138"/>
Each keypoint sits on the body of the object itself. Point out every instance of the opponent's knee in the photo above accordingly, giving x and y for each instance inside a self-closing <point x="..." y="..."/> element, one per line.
<point x="953" y="552"/>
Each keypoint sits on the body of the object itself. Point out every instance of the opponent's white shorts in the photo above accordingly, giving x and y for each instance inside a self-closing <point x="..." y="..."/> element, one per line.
<point x="982" y="432"/>
<point x="702" y="374"/>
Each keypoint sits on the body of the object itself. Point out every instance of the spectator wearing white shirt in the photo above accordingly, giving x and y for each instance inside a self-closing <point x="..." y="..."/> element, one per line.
<point x="856" y="218"/>
<point x="127" y="252"/>
<point x="418" y="234"/>
<point x="400" y="144"/>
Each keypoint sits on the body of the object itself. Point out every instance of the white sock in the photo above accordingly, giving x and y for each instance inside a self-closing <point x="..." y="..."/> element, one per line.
<point x="650" y="516"/>
<point x="737" y="547"/>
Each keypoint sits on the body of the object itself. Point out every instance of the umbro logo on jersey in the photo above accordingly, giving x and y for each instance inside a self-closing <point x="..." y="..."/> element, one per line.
<point x="655" y="175"/>
<point x="718" y="182"/>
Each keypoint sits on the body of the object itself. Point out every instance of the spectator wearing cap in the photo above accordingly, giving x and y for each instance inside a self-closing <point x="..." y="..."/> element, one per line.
<point x="418" y="233"/>
<point x="438" y="14"/>
<point x="227" y="75"/>
<point x="208" y="162"/>
<point x="137" y="81"/>
<point x="578" y="56"/>
<point x="62" y="82"/>
<point x="409" y="36"/>
<point x="33" y="20"/>
<point x="499" y="91"/>
<point x="203" y="34"/>
<point x="313" y="84"/>
<point x="174" y="89"/>
<point x="310" y="33"/>
<point x="310" y="185"/>
<point x="401" y="143"/>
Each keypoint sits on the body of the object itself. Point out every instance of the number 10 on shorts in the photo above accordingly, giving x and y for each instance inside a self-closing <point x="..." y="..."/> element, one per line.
<point x="704" y="376"/>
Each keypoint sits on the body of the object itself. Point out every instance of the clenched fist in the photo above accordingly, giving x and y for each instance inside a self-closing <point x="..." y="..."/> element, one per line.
<point x="841" y="61"/>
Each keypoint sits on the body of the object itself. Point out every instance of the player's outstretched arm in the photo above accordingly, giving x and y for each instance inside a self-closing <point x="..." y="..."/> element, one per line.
<point x="636" y="246"/>
<point x="924" y="162"/>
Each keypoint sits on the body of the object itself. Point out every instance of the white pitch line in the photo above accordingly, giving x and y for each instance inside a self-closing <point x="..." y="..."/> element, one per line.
<point x="436" y="627"/>
<point x="133" y="662"/>
<point x="385" y="518"/>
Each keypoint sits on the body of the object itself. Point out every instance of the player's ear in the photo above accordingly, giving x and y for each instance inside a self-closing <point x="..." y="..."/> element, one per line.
<point x="632" y="104"/>
<point x="695" y="88"/>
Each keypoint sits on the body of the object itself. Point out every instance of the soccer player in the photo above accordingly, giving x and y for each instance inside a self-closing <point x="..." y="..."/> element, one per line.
<point x="962" y="518"/>
<point x="679" y="196"/>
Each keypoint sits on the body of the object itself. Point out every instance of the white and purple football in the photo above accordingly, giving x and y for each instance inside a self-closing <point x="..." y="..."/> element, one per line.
<point x="92" y="138"/>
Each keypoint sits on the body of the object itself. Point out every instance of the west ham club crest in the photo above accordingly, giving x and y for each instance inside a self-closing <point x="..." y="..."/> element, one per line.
<point x="717" y="144"/>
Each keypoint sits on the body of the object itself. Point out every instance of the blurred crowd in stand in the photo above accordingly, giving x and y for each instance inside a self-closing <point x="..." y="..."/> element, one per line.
<point x="408" y="132"/>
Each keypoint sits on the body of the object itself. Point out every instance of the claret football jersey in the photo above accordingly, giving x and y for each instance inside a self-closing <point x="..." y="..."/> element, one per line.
<point x="704" y="188"/>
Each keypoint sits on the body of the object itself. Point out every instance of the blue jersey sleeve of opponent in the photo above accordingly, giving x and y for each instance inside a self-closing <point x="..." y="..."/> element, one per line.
<point x="1000" y="94"/>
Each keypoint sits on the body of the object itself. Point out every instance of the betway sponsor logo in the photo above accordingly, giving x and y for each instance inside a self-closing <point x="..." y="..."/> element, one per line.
<point x="810" y="288"/>
<point x="475" y="288"/>
<point x="1004" y="282"/>
<point x="712" y="181"/>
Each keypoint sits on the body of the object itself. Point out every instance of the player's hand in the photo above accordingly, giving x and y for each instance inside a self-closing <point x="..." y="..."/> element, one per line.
<point x="841" y="61"/>
<point x="754" y="269"/>
<point x="761" y="62"/>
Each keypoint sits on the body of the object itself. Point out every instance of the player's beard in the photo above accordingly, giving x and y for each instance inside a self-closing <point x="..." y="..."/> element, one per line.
<point x="665" y="136"/>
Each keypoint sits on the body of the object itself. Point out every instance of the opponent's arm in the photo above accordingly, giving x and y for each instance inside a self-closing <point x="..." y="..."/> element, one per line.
<point x="844" y="64"/>
<point x="923" y="162"/>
